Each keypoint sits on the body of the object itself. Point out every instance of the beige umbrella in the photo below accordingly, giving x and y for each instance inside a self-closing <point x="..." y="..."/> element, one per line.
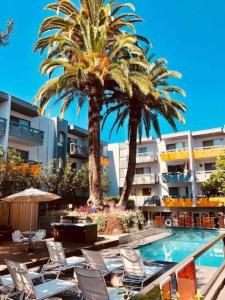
<point x="31" y="196"/>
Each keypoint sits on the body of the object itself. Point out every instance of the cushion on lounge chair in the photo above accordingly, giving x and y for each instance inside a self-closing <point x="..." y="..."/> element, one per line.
<point x="112" y="264"/>
<point x="75" y="260"/>
<point x="52" y="288"/>
<point x="6" y="280"/>
<point x="152" y="270"/>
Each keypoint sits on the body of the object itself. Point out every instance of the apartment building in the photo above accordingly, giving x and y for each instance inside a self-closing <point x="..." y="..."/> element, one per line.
<point x="39" y="139"/>
<point x="173" y="166"/>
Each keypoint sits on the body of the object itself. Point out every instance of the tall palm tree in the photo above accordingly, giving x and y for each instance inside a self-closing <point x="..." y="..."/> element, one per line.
<point x="87" y="46"/>
<point x="143" y="111"/>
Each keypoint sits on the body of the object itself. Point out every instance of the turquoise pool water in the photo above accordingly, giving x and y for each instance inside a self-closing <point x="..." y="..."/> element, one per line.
<point x="182" y="244"/>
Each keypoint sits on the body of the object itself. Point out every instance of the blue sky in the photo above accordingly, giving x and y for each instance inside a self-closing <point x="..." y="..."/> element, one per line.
<point x="189" y="33"/>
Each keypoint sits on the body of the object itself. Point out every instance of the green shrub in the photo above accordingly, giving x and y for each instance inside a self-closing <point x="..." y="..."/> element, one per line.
<point x="131" y="220"/>
<point x="112" y="198"/>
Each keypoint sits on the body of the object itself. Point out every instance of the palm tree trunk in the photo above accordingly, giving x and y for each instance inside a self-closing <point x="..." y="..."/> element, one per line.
<point x="95" y="107"/>
<point x="134" y="118"/>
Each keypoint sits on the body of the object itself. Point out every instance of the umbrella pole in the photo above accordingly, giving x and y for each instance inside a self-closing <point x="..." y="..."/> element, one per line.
<point x="30" y="219"/>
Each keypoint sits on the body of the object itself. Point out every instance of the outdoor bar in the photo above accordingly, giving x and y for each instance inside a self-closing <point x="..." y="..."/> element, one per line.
<point x="72" y="229"/>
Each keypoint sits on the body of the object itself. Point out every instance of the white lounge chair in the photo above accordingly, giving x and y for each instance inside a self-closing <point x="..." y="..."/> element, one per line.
<point x="135" y="272"/>
<point x="26" y="290"/>
<point x="93" y="287"/>
<point x="95" y="261"/>
<point x="57" y="259"/>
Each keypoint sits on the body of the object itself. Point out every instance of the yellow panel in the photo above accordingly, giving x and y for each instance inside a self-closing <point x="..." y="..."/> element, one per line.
<point x="175" y="155"/>
<point x="181" y="202"/>
<point x="207" y="153"/>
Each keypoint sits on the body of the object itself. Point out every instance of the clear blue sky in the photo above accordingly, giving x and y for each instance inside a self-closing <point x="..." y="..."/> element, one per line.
<point x="189" y="33"/>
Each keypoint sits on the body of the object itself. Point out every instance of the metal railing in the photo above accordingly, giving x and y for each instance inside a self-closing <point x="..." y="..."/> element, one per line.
<point x="27" y="133"/>
<point x="194" y="256"/>
<point x="146" y="157"/>
<point x="176" y="177"/>
<point x="202" y="176"/>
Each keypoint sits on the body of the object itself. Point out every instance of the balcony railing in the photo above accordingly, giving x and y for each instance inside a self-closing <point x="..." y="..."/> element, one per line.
<point x="3" y="123"/>
<point x="146" y="200"/>
<point x="170" y="201"/>
<point x="169" y="155"/>
<point x="177" y="177"/>
<point x="202" y="176"/>
<point x="26" y="134"/>
<point x="79" y="151"/>
<point x="146" y="179"/>
<point x="208" y="152"/>
<point x="143" y="179"/>
<point x="146" y="157"/>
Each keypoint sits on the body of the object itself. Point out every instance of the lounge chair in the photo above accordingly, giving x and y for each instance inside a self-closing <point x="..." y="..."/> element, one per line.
<point x="26" y="290"/>
<point x="95" y="261"/>
<point x="93" y="287"/>
<point x="135" y="272"/>
<point x="57" y="259"/>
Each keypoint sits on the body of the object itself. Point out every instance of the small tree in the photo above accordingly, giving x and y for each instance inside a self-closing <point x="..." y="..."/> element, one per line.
<point x="15" y="175"/>
<point x="215" y="185"/>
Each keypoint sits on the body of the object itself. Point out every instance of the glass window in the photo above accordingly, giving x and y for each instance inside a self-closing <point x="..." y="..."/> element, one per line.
<point x="176" y="168"/>
<point x="139" y="171"/>
<point x="61" y="139"/>
<point x="177" y="146"/>
<point x="142" y="150"/>
<point x="210" y="166"/>
<point x="211" y="143"/>
<point x="174" y="191"/>
<point x="146" y="191"/>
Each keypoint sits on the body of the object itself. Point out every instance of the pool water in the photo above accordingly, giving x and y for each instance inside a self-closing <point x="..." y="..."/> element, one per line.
<point x="182" y="244"/>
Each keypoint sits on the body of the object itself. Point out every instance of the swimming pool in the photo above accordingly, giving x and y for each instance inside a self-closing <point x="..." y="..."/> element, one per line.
<point x="183" y="243"/>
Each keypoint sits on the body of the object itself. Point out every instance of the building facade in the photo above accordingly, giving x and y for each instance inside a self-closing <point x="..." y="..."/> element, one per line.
<point x="39" y="139"/>
<point x="171" y="167"/>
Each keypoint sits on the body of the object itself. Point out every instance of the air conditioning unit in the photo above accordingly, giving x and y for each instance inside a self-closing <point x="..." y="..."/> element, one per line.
<point x="72" y="148"/>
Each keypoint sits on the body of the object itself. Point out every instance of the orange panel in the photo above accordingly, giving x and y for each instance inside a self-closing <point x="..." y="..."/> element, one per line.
<point x="166" y="290"/>
<point x="207" y="222"/>
<point x="159" y="221"/>
<point x="188" y="221"/>
<point x="186" y="281"/>
<point x="181" y="221"/>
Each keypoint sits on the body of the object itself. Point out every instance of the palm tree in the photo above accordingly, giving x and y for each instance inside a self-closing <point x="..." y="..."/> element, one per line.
<point x="143" y="111"/>
<point x="4" y="36"/>
<point x="87" y="46"/>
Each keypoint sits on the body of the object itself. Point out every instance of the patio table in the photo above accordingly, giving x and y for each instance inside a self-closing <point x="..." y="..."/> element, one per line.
<point x="29" y="234"/>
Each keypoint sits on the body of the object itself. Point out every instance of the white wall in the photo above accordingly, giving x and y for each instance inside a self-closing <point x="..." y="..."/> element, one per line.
<point x="5" y="108"/>
<point x="114" y="168"/>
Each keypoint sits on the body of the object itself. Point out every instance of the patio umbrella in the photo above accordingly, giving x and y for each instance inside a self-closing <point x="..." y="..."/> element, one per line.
<point x="31" y="196"/>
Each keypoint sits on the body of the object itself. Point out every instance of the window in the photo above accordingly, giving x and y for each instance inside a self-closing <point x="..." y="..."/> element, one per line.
<point x="142" y="150"/>
<point x="139" y="171"/>
<point x="174" y="191"/>
<point x="210" y="166"/>
<point x="146" y="191"/>
<point x="142" y="171"/>
<point x="211" y="143"/>
<point x="24" y="154"/>
<point x="22" y="122"/>
<point x="61" y="139"/>
<point x="176" y="146"/>
<point x="176" y="168"/>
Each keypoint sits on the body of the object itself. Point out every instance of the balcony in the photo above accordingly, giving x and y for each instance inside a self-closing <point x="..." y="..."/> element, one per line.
<point x="78" y="151"/>
<point x="146" y="179"/>
<point x="187" y="202"/>
<point x="3" y="123"/>
<point x="211" y="202"/>
<point x="146" y="200"/>
<point x="202" y="176"/>
<point x="182" y="154"/>
<point x="208" y="152"/>
<point x="26" y="134"/>
<point x="143" y="179"/>
<point x="176" y="177"/>
<point x="146" y="157"/>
